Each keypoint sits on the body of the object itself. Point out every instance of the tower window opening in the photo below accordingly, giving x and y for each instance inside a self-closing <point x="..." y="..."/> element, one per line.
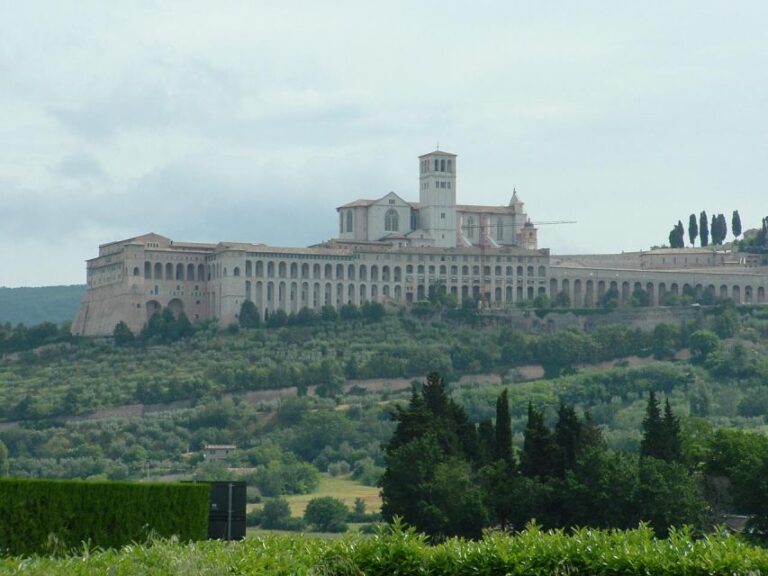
<point x="437" y="164"/>
<point x="442" y="165"/>
<point x="450" y="165"/>
<point x="391" y="221"/>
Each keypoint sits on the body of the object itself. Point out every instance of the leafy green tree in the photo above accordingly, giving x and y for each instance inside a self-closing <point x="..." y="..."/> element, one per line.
<point x="611" y="297"/>
<point x="122" y="334"/>
<point x="328" y="313"/>
<point x="277" y="319"/>
<point x="326" y="514"/>
<point x="703" y="343"/>
<point x="693" y="229"/>
<point x="703" y="228"/>
<point x="736" y="224"/>
<point x="486" y="437"/>
<point x="503" y="439"/>
<point x="562" y="300"/>
<point x="540" y="457"/>
<point x="668" y="496"/>
<point x="349" y="312"/>
<point x="249" y="315"/>
<point x="640" y="297"/>
<point x="275" y="514"/>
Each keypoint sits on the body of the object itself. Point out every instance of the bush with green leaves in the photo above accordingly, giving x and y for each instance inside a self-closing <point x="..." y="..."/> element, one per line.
<point x="326" y="514"/>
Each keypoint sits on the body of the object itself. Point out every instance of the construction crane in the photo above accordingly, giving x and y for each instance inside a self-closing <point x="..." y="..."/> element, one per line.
<point x="485" y="241"/>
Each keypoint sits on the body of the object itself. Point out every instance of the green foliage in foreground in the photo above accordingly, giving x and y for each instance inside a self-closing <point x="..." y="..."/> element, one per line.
<point x="51" y="515"/>
<point x="403" y="552"/>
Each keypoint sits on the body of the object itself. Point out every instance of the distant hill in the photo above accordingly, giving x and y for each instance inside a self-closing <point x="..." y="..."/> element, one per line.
<point x="35" y="305"/>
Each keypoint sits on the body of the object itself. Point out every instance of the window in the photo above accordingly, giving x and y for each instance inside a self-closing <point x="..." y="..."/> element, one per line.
<point x="391" y="221"/>
<point x="391" y="200"/>
<point x="437" y="164"/>
<point x="442" y="184"/>
<point x="341" y="222"/>
<point x="499" y="229"/>
<point x="450" y="166"/>
<point x="349" y="220"/>
<point x="442" y="165"/>
<point x="449" y="185"/>
<point x="442" y="215"/>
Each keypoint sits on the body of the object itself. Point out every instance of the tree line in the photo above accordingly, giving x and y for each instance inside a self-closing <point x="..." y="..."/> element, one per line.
<point x="713" y="233"/>
<point x="447" y="477"/>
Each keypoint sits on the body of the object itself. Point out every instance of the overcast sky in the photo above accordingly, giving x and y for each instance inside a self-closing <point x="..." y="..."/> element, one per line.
<point x="251" y="121"/>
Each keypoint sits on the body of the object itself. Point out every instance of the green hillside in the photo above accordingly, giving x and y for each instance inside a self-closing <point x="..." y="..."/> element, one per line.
<point x="30" y="306"/>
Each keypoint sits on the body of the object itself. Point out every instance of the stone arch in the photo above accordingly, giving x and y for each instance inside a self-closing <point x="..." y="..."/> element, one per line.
<point x="282" y="270"/>
<point x="179" y="271"/>
<point x="339" y="293"/>
<point x="375" y="292"/>
<point x="200" y="273"/>
<point x="650" y="289"/>
<point x="271" y="293"/>
<point x="294" y="296"/>
<point x="294" y="270"/>
<point x="136" y="271"/>
<point x="270" y="269"/>
<point x="464" y="292"/>
<point x="578" y="300"/>
<point x="600" y="289"/>
<point x="191" y="272"/>
<point x="351" y="272"/>
<point x="508" y="294"/>
<point x="151" y="307"/>
<point x="316" y="271"/>
<point x="259" y="269"/>
<point x="748" y="294"/>
<point x="552" y="287"/>
<point x="363" y="293"/>
<point x="589" y="293"/>
<point x="497" y="294"/>
<point x="327" y="301"/>
<point x="281" y="295"/>
<point x="248" y="295"/>
<point x="339" y="271"/>
<point x="148" y="270"/>
<point x="542" y="271"/>
<point x="176" y="306"/>
<point x="723" y="291"/>
<point x="384" y="291"/>
<point x="351" y="294"/>
<point x="328" y="272"/>
<point x="305" y="294"/>
<point x="398" y="274"/>
<point x="374" y="273"/>
<point x="736" y="294"/>
<point x="662" y="292"/>
<point x="305" y="270"/>
<point x="168" y="271"/>
<point x="236" y="271"/>
<point x="674" y="290"/>
<point x="398" y="293"/>
<point x="385" y="274"/>
<point x="259" y="297"/>
<point x="626" y="295"/>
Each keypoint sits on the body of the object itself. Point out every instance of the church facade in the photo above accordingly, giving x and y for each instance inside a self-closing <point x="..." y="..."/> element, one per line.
<point x="388" y="250"/>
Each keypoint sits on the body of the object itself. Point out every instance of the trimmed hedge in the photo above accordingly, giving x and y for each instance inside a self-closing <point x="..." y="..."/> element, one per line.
<point x="58" y="515"/>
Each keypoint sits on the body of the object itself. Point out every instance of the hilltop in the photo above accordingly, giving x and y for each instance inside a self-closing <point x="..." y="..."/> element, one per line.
<point x="29" y="306"/>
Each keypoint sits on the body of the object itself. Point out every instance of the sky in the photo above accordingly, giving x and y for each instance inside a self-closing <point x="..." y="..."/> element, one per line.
<point x="251" y="121"/>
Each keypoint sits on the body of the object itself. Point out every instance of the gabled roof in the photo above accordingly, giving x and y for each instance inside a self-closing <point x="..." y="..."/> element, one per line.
<point x="361" y="202"/>
<point x="438" y="153"/>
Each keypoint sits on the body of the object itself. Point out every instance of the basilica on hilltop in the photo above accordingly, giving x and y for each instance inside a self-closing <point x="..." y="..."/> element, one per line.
<point x="392" y="250"/>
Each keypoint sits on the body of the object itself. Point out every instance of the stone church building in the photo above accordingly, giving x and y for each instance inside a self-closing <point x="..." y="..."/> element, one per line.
<point x="389" y="250"/>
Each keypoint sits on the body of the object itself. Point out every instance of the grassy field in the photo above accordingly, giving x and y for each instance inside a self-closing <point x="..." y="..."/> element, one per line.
<point x="341" y="487"/>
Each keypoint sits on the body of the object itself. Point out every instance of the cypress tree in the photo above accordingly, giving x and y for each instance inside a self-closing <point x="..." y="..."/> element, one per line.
<point x="503" y="429"/>
<point x="714" y="230"/>
<point x="693" y="229"/>
<point x="722" y="228"/>
<point x="568" y="436"/>
<point x="736" y="224"/>
<point x="671" y="428"/>
<point x="704" y="228"/>
<point x="486" y="437"/>
<point x="652" y="444"/>
<point x="540" y="456"/>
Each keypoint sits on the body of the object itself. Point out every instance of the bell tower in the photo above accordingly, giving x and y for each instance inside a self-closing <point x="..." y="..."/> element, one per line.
<point x="437" y="196"/>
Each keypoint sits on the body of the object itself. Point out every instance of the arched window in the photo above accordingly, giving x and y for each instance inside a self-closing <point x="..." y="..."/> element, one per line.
<point x="391" y="221"/>
<point x="349" y="221"/>
<point x="136" y="271"/>
<point x="499" y="229"/>
<point x="442" y="165"/>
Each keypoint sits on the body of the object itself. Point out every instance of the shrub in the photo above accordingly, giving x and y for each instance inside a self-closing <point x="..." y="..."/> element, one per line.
<point x="104" y="514"/>
<point x="326" y="514"/>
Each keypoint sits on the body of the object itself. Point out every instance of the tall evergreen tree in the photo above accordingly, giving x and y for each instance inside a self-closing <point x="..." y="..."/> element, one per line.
<point x="671" y="428"/>
<point x="704" y="228"/>
<point x="693" y="229"/>
<point x="540" y="456"/>
<point x="486" y="438"/>
<point x="722" y="228"/>
<point x="714" y="230"/>
<point x="736" y="224"/>
<point x="503" y="429"/>
<point x="652" y="443"/>
<point x="568" y="436"/>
